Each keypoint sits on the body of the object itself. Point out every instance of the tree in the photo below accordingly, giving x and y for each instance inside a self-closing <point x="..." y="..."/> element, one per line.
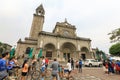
<point x="0" y="44"/>
<point x="115" y="35"/>
<point x="1" y="50"/>
<point x="115" y="49"/>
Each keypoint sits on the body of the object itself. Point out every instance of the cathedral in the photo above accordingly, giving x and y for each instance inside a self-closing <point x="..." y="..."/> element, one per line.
<point x="62" y="42"/>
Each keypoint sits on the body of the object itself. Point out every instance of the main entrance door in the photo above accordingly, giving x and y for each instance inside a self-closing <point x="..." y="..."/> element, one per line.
<point x="83" y="56"/>
<point x="66" y="56"/>
<point x="49" y="49"/>
<point x="67" y="50"/>
<point x="49" y="54"/>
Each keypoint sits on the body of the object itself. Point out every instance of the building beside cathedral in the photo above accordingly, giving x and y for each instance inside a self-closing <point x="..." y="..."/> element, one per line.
<point x="62" y="43"/>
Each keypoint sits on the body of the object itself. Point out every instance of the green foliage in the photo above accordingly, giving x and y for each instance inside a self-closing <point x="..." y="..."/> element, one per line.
<point x="0" y="44"/>
<point x="115" y="49"/>
<point x="115" y="35"/>
<point x="3" y="47"/>
<point x="1" y="50"/>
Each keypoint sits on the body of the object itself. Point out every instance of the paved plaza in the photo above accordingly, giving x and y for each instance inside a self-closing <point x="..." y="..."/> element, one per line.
<point x="90" y="73"/>
<point x="94" y="73"/>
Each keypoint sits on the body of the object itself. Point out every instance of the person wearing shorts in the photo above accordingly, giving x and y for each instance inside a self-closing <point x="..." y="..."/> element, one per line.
<point x="24" y="73"/>
<point x="55" y="65"/>
<point x="69" y="68"/>
<point x="25" y="67"/>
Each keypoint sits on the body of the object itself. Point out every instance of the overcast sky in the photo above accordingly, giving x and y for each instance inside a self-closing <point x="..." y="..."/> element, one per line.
<point x="93" y="19"/>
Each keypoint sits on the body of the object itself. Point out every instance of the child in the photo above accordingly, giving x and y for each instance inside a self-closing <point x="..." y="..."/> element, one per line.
<point x="60" y="71"/>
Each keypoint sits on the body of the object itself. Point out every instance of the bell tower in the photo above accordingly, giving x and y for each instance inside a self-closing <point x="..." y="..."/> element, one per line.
<point x="38" y="21"/>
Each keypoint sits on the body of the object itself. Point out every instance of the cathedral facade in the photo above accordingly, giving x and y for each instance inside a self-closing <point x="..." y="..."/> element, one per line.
<point x="62" y="43"/>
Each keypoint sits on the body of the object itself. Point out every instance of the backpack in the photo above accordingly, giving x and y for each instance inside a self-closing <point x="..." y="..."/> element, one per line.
<point x="11" y="64"/>
<point x="80" y="62"/>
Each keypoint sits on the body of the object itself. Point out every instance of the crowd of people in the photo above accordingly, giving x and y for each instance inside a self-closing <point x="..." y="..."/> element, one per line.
<point x="111" y="66"/>
<point x="58" y="70"/>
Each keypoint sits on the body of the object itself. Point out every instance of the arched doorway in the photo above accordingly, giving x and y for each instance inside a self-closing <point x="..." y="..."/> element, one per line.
<point x="49" y="50"/>
<point x="84" y="51"/>
<point x="68" y="50"/>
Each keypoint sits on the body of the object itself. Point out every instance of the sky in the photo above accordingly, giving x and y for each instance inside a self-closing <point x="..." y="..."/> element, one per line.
<point x="93" y="19"/>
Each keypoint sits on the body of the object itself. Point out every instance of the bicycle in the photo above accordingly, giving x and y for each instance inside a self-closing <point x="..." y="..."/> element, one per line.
<point x="65" y="75"/>
<point x="47" y="73"/>
<point x="15" y="75"/>
<point x="33" y="73"/>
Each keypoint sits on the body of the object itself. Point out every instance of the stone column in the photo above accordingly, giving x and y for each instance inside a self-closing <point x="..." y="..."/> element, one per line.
<point x="58" y="54"/>
<point x="78" y="47"/>
<point x="79" y="54"/>
<point x="58" y="50"/>
<point x="41" y="44"/>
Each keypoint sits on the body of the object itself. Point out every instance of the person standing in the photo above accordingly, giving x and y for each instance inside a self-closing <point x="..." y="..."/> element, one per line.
<point x="72" y="63"/>
<point x="77" y="64"/>
<point x="25" y="68"/>
<point x="46" y="62"/>
<point x="43" y="67"/>
<point x="80" y="66"/>
<point x="69" y="68"/>
<point x="10" y="66"/>
<point x="55" y="66"/>
<point x="3" y="65"/>
<point x="104" y="66"/>
<point x="60" y="71"/>
<point x="110" y="67"/>
<point x="34" y="63"/>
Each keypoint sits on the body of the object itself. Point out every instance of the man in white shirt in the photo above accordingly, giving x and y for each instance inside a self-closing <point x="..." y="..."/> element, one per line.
<point x="69" y="68"/>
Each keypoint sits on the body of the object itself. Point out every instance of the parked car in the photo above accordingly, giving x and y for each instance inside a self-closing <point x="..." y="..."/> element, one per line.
<point x="92" y="62"/>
